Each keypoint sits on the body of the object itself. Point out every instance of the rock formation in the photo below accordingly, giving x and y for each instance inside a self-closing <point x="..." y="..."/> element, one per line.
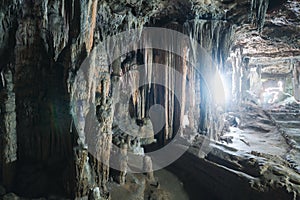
<point x="87" y="93"/>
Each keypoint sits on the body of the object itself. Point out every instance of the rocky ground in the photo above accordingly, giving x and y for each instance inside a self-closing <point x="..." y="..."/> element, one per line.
<point x="287" y="118"/>
<point x="166" y="187"/>
<point x="262" y="146"/>
<point x="258" y="153"/>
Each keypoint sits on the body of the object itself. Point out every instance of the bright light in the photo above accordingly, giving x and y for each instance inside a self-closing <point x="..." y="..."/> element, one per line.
<point x="219" y="90"/>
<point x="271" y="94"/>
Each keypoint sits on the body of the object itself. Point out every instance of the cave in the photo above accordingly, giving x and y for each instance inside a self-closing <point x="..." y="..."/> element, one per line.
<point x="149" y="99"/>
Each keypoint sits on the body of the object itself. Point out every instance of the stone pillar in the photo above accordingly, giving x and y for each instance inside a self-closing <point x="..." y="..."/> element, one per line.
<point x="81" y="160"/>
<point x="103" y="137"/>
<point x="236" y="78"/>
<point x="183" y="87"/>
<point x="8" y="134"/>
<point x="296" y="78"/>
<point x="123" y="163"/>
<point x="245" y="84"/>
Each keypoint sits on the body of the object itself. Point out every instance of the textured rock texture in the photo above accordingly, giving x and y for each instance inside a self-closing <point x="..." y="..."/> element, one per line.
<point x="45" y="99"/>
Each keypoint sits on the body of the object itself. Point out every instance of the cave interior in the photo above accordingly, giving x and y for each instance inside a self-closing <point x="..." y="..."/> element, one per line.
<point x="149" y="99"/>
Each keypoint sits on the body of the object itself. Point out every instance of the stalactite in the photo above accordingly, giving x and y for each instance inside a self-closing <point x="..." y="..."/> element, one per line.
<point x="45" y="33"/>
<point x="214" y="37"/>
<point x="258" y="12"/>
<point x="94" y="80"/>
<point x="56" y="25"/>
<point x="49" y="21"/>
<point x="174" y="65"/>
<point x="183" y="70"/>
<point x="191" y="100"/>
<point x="112" y="22"/>
<point x="2" y="79"/>
<point x="207" y="9"/>
<point x="93" y="24"/>
<point x="253" y="10"/>
<point x="88" y="23"/>
<point x="148" y="64"/>
<point x="236" y="79"/>
<point x="92" y="86"/>
<point x="263" y="6"/>
<point x="166" y="98"/>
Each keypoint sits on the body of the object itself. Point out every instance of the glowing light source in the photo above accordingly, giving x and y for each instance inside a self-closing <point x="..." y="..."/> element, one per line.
<point x="219" y="90"/>
<point x="271" y="94"/>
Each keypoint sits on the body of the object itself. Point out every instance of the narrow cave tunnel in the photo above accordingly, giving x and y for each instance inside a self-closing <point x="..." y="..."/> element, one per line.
<point x="150" y="99"/>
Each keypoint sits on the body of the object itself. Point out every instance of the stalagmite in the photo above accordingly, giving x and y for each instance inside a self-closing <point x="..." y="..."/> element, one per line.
<point x="123" y="163"/>
<point x="147" y="163"/>
<point x="236" y="77"/>
<point x="95" y="194"/>
<point x="82" y="183"/>
<point x="245" y="82"/>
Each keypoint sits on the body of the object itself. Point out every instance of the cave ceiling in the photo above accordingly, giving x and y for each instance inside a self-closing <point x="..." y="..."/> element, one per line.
<point x="266" y="32"/>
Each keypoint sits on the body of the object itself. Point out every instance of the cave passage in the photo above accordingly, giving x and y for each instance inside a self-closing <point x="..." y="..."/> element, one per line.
<point x="156" y="99"/>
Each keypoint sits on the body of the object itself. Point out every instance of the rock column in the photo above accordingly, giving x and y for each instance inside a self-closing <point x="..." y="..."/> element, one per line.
<point x="296" y="78"/>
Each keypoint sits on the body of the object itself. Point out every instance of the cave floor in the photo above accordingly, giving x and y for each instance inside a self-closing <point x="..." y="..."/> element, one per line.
<point x="274" y="131"/>
<point x="263" y="149"/>
<point x="261" y="159"/>
<point x="137" y="186"/>
<point x="287" y="118"/>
